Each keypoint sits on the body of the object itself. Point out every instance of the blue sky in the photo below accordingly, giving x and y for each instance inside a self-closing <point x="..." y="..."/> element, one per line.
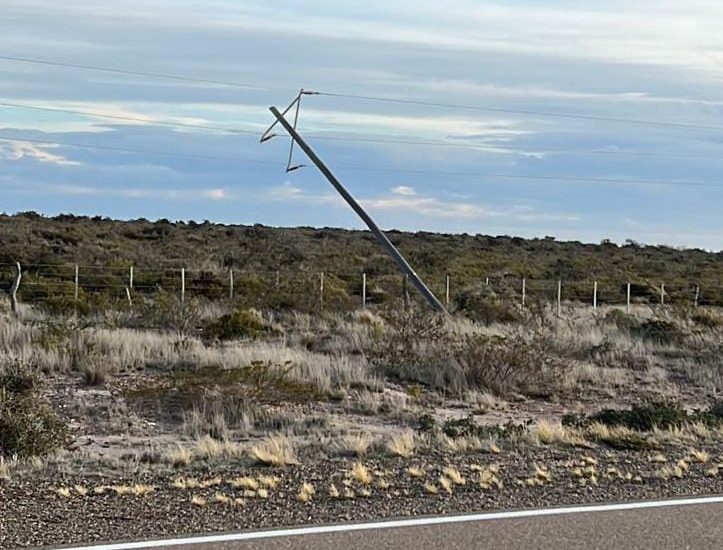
<point x="645" y="60"/>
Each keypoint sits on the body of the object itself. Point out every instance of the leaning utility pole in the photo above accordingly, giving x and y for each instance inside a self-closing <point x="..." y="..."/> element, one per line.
<point x="381" y="237"/>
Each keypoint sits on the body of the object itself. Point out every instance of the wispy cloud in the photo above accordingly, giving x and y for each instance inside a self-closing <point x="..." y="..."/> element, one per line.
<point x="20" y="150"/>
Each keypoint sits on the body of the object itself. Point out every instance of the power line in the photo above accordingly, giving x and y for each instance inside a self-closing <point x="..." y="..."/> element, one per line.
<point x="617" y="181"/>
<point x="144" y="73"/>
<point x="128" y="118"/>
<point x="134" y="150"/>
<point x="384" y="99"/>
<point x="431" y="143"/>
<point x="550" y="114"/>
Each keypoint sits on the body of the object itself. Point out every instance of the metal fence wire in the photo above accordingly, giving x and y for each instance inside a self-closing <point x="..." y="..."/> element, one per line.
<point x="307" y="290"/>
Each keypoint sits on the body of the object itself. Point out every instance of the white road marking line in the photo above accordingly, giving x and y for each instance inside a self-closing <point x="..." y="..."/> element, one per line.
<point x="391" y="524"/>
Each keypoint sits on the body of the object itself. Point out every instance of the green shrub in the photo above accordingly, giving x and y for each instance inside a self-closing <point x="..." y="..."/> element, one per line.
<point x="621" y="320"/>
<point x="657" y="331"/>
<point x="483" y="306"/>
<point x="240" y="323"/>
<point x="644" y="417"/>
<point x="28" y="425"/>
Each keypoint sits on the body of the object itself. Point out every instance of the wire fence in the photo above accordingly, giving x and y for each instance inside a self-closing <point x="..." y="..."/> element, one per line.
<point x="63" y="285"/>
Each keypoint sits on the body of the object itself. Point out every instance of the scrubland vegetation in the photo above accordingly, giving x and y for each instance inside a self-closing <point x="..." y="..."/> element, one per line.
<point x="210" y="406"/>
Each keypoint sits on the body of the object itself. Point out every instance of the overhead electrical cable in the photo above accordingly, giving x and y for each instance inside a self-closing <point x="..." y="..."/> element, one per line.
<point x="376" y="98"/>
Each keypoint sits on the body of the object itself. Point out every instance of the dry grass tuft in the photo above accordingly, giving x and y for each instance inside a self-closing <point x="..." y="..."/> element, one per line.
<point x="177" y="456"/>
<point x="245" y="483"/>
<point x="210" y="482"/>
<point x="220" y="498"/>
<point x="210" y="448"/>
<point x="361" y="474"/>
<point x="657" y="458"/>
<point x="199" y="501"/>
<point x="431" y="488"/>
<point x="354" y="445"/>
<point x="416" y="472"/>
<point x="333" y="491"/>
<point x="701" y="457"/>
<point x="269" y="482"/>
<point x="549" y="433"/>
<point x="277" y="451"/>
<point x="140" y="489"/>
<point x="63" y="492"/>
<point x="453" y="475"/>
<point x="306" y="492"/>
<point x="82" y="491"/>
<point x="402" y="444"/>
<point x="446" y="484"/>
<point x="122" y="490"/>
<point x="543" y="474"/>
<point x="668" y="472"/>
<point x="185" y="483"/>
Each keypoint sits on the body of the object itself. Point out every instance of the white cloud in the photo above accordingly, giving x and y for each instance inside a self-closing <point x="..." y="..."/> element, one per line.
<point x="19" y="150"/>
<point x="216" y="194"/>
<point x="403" y="190"/>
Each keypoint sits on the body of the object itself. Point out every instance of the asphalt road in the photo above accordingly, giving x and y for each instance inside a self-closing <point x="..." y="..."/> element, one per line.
<point x="678" y="524"/>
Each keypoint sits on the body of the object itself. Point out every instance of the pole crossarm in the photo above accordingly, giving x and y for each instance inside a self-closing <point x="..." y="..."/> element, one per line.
<point x="370" y="223"/>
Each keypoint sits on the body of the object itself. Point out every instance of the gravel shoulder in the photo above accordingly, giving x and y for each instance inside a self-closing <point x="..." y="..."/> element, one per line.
<point x="124" y="507"/>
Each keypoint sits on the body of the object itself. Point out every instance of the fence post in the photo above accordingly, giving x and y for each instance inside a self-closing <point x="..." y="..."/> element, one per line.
<point x="559" y="297"/>
<point x="14" y="291"/>
<point x="487" y="281"/>
<point x="230" y="283"/>
<point x="405" y="292"/>
<point x="627" y="302"/>
<point x="446" y="292"/>
<point x="594" y="296"/>
<point x="662" y="294"/>
<point x="364" y="290"/>
<point x="697" y="295"/>
<point x="130" y="277"/>
<point x="77" y="272"/>
<point x="183" y="285"/>
<point x="524" y="292"/>
<point x="321" y="290"/>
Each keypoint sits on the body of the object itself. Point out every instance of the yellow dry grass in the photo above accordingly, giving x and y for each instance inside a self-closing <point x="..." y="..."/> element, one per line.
<point x="361" y="474"/>
<point x="277" y="451"/>
<point x="402" y="444"/>
<point x="306" y="492"/>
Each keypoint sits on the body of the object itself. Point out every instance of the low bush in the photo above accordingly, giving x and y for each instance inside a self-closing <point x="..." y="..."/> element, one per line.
<point x="240" y="323"/>
<point x="483" y="306"/>
<point x="28" y="425"/>
<point x="646" y="416"/>
<point x="657" y="331"/>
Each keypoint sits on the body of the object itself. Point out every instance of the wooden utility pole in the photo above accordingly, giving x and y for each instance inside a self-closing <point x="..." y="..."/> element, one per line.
<point x="351" y="201"/>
